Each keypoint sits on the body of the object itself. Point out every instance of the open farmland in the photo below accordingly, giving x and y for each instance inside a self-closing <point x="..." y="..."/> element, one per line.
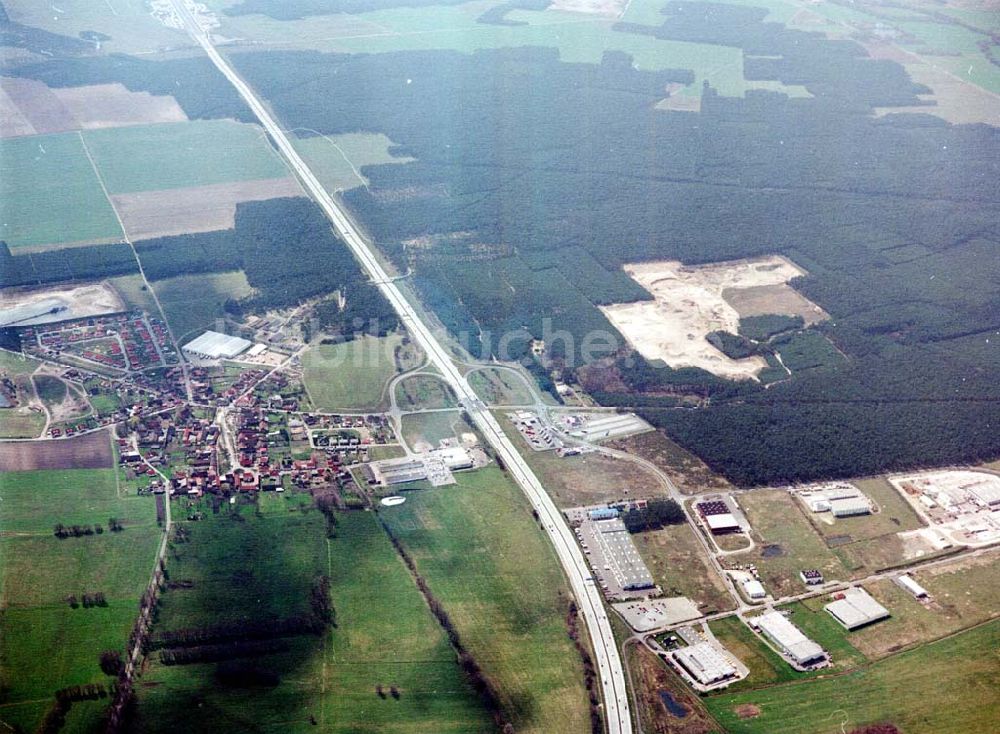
<point x="484" y="558"/>
<point x="338" y="160"/>
<point x="45" y="643"/>
<point x="51" y="194"/>
<point x="352" y="375"/>
<point x="182" y="154"/>
<point x="89" y="451"/>
<point x="168" y="212"/>
<point x="328" y="680"/>
<point x="923" y="691"/>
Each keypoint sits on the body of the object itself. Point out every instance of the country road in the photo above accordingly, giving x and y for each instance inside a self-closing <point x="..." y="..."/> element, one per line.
<point x="589" y="600"/>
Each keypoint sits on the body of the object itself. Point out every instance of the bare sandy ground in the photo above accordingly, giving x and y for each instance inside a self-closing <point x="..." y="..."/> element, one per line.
<point x="165" y="213"/>
<point x="689" y="304"/>
<point x="29" y="107"/>
<point x="609" y="8"/>
<point x="88" y="300"/>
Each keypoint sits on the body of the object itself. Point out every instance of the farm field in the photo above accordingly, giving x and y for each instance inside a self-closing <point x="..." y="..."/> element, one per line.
<point x="679" y="567"/>
<point x="329" y="680"/>
<point x="585" y="479"/>
<point x="182" y="154"/>
<point x="500" y="387"/>
<point x="787" y="542"/>
<point x="192" y="303"/>
<point x="338" y="160"/>
<point x="485" y="559"/>
<point x="50" y="644"/>
<point x="51" y="194"/>
<point x="921" y="691"/>
<point x="579" y="39"/>
<point x="352" y="375"/>
<point x="424" y="391"/>
<point x="128" y="23"/>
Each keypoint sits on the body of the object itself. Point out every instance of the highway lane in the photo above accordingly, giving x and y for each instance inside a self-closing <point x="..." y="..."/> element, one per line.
<point x="588" y="595"/>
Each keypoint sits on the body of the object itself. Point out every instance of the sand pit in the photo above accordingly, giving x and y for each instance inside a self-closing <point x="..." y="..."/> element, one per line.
<point x="43" y="306"/>
<point x="169" y="212"/>
<point x="690" y="302"/>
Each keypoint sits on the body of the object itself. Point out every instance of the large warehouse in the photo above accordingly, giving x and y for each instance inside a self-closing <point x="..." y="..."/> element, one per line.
<point x="789" y="639"/>
<point x="856" y="609"/>
<point x="214" y="345"/>
<point x="704" y="662"/>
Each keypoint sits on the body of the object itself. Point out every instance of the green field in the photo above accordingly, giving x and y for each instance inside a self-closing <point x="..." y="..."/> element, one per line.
<point x="51" y="390"/>
<point x="432" y="428"/>
<point x="778" y="522"/>
<point x="130" y="25"/>
<point x="192" y="303"/>
<point x="424" y="391"/>
<point x="174" y="155"/>
<point x="947" y="687"/>
<point x="500" y="387"/>
<point x="51" y="194"/>
<point x="251" y="564"/>
<point x="16" y="364"/>
<point x="485" y="559"/>
<point x="579" y="38"/>
<point x="351" y="375"/>
<point x="45" y="644"/>
<point x="337" y="160"/>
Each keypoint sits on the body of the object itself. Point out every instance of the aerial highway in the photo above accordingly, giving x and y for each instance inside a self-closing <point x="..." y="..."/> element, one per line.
<point x="589" y="599"/>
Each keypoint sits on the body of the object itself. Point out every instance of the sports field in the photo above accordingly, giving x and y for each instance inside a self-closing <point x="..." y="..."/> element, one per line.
<point x="352" y="375"/>
<point x="247" y="564"/>
<point x="485" y="559"/>
<point x="179" y="154"/>
<point x="929" y="690"/>
<point x="47" y="642"/>
<point x="51" y="194"/>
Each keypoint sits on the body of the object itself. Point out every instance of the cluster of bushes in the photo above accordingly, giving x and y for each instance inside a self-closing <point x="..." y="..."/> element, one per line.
<point x="221" y="652"/>
<point x="656" y="514"/>
<point x="88" y="600"/>
<point x="249" y="630"/>
<point x="55" y="717"/>
<point x="76" y="531"/>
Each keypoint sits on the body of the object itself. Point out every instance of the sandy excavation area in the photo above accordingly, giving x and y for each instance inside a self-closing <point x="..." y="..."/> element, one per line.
<point x="45" y="305"/>
<point x="690" y="302"/>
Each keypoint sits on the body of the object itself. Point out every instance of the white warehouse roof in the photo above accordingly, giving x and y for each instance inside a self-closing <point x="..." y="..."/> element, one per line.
<point x="850" y="506"/>
<point x="724" y="521"/>
<point x="705" y="662"/>
<point x="753" y="588"/>
<point x="856" y="609"/>
<point x="910" y="584"/>
<point x="789" y="638"/>
<point x="214" y="345"/>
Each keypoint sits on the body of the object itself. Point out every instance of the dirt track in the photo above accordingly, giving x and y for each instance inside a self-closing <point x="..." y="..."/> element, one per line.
<point x="90" y="451"/>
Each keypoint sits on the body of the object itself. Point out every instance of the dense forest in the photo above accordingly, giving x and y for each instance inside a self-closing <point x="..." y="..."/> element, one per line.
<point x="74" y="263"/>
<point x="289" y="253"/>
<point x="535" y="180"/>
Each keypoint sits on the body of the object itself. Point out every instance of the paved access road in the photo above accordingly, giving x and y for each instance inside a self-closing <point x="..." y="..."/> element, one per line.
<point x="588" y="595"/>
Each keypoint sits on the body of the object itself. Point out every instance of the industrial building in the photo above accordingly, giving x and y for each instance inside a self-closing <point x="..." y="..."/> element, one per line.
<point x="718" y="518"/>
<point x="811" y="577"/>
<point x="840" y="499"/>
<point x="399" y="471"/>
<point x="603" y="513"/>
<point x="856" y="609"/>
<point x="215" y="345"/>
<point x="753" y="588"/>
<point x="455" y="457"/>
<point x="704" y="662"/>
<point x="910" y="584"/>
<point x="789" y="639"/>
<point x="613" y="556"/>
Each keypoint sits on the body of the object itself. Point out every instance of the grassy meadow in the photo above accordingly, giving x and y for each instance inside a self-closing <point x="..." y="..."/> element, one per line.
<point x="352" y="375"/>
